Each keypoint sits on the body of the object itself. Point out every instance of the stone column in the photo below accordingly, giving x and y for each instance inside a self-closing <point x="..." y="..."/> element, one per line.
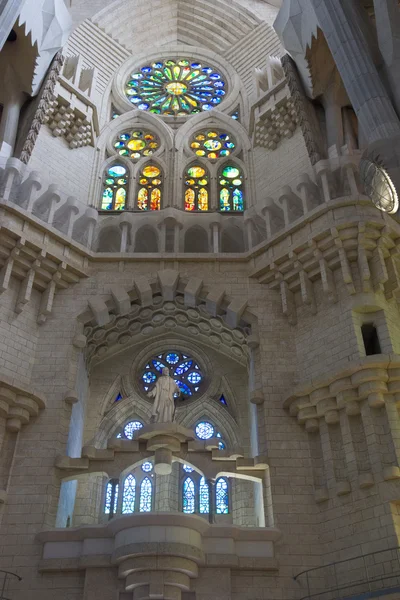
<point x="341" y="23"/>
<point x="11" y="113"/>
<point x="211" y="495"/>
<point x="387" y="17"/>
<point x="215" y="229"/>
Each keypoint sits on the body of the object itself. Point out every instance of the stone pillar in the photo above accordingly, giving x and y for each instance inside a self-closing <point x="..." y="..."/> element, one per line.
<point x="11" y="113"/>
<point x="341" y="23"/>
<point x="211" y="495"/>
<point x="215" y="229"/>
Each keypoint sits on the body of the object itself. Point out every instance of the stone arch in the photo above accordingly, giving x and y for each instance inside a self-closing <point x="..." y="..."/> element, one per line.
<point x="196" y="240"/>
<point x="232" y="239"/>
<point x="109" y="239"/>
<point x="146" y="239"/>
<point x="210" y="411"/>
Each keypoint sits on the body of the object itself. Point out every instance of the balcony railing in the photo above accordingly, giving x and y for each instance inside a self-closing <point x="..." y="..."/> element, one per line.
<point x="366" y="576"/>
<point x="5" y="578"/>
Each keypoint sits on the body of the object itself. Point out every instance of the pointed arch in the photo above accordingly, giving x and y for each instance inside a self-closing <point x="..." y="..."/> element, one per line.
<point x="115" y="187"/>
<point x="222" y="496"/>
<point x="188" y="496"/>
<point x="146" y="495"/>
<point x="197" y="188"/>
<point x="231" y="188"/>
<point x="150" y="187"/>
<point x="129" y="495"/>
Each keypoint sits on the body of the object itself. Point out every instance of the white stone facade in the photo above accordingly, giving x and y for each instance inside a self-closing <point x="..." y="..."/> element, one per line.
<point x="290" y="308"/>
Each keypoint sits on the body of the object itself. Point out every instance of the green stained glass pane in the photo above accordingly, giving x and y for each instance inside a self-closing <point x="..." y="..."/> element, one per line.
<point x="224" y="197"/>
<point x="231" y="172"/>
<point x="166" y="104"/>
<point x="192" y="75"/>
<point x="168" y="73"/>
<point x="176" y="72"/>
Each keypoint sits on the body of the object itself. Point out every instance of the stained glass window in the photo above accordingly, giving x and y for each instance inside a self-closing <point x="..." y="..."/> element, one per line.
<point x="129" y="494"/>
<point x="150" y="188"/>
<point x="196" y="188"/>
<point x="212" y="143"/>
<point x="204" y="430"/>
<point x="115" y="188"/>
<point x="204" y="497"/>
<point x="130" y="428"/>
<point x="111" y="500"/>
<point x="231" y="196"/>
<point x="146" y="493"/>
<point x="223" y="401"/>
<point x="183" y="368"/>
<point x="188" y="469"/>
<point x="147" y="467"/>
<point x="236" y="115"/>
<point x="221" y="496"/>
<point x="118" y="397"/>
<point x="135" y="144"/>
<point x="188" y="496"/>
<point x="175" y="87"/>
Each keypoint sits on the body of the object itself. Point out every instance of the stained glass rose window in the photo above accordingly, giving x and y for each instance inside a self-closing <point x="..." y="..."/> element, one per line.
<point x="135" y="144"/>
<point x="212" y="143"/>
<point x="175" y="87"/>
<point x="182" y="367"/>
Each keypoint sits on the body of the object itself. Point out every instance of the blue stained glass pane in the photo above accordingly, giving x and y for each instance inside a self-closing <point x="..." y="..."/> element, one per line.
<point x="130" y="428"/>
<point x="215" y="76"/>
<point x="221" y="446"/>
<point x="207" y="70"/>
<point x="207" y="107"/>
<point x="220" y="92"/>
<point x="221" y="496"/>
<point x="188" y="469"/>
<point x="149" y="377"/>
<point x="223" y="401"/>
<point x="183" y="367"/>
<point x="237" y="200"/>
<point x="194" y="377"/>
<point x="204" y="430"/>
<point x="185" y="389"/>
<point x="146" y="69"/>
<point x="189" y="496"/>
<point x="128" y="499"/>
<point x="172" y="358"/>
<point x="119" y="435"/>
<point x="218" y="435"/>
<point x="196" y="66"/>
<point x="143" y="106"/>
<point x="159" y="365"/>
<point x="219" y="84"/>
<point x="147" y="467"/>
<point x="204" y="497"/>
<point x="118" y="397"/>
<point x="146" y="492"/>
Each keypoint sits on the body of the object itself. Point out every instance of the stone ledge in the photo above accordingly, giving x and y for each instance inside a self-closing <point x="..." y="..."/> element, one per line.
<point x="18" y="403"/>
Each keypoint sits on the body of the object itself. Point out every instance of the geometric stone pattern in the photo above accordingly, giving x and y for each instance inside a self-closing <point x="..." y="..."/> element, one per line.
<point x="65" y="121"/>
<point x="275" y="124"/>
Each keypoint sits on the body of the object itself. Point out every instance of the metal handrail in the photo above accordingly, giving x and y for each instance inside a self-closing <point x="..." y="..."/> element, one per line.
<point x="339" y="586"/>
<point x="6" y="575"/>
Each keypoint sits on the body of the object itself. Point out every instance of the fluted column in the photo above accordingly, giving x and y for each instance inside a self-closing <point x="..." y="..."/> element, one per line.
<point x="341" y="23"/>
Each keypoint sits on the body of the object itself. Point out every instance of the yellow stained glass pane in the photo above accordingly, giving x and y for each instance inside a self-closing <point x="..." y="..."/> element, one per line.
<point x="149" y="137"/>
<point x="136" y="145"/>
<point x="120" y="198"/>
<point x="151" y="171"/>
<point x="137" y="134"/>
<point x="153" y="145"/>
<point x="176" y="88"/>
<point x="143" y="181"/>
<point x="189" y="199"/>
<point x="156" y="182"/>
<point x="202" y="199"/>
<point x="212" y="145"/>
<point x="224" y="199"/>
<point x="155" y="202"/>
<point x="200" y="152"/>
<point x="189" y="181"/>
<point x="196" y="172"/>
<point x="135" y="155"/>
<point x="143" y="199"/>
<point x="195" y="145"/>
<point x="203" y="181"/>
<point x="212" y="155"/>
<point x="212" y="134"/>
<point x="200" y="137"/>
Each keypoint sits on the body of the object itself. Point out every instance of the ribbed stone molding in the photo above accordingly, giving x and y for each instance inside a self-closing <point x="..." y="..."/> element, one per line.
<point x="18" y="404"/>
<point x="157" y="555"/>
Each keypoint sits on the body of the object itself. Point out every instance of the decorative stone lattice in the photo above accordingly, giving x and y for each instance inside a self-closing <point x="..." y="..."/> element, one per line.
<point x="276" y="123"/>
<point x="65" y="121"/>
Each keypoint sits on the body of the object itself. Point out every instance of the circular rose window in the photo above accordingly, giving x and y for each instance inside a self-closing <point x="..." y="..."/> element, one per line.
<point x="183" y="368"/>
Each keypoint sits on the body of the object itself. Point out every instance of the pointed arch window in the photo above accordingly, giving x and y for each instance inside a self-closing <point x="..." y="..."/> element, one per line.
<point x="129" y="430"/>
<point x="204" y="497"/>
<point x="146" y="495"/>
<point x="222" y="496"/>
<point x="129" y="495"/>
<point x="115" y="188"/>
<point x="149" y="194"/>
<point x="230" y="186"/>
<point x="197" y="191"/>
<point x="188" y="496"/>
<point x="111" y="499"/>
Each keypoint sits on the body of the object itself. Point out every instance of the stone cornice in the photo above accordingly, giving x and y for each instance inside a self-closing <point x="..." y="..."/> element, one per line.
<point x="18" y="403"/>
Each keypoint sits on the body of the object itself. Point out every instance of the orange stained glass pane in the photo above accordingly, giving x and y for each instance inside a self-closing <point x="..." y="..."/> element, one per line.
<point x="202" y="199"/>
<point x="155" y="202"/>
<point x="151" y="171"/>
<point x="212" y="155"/>
<point x="120" y="198"/>
<point x="143" y="196"/>
<point x="196" y="172"/>
<point x="189" y="199"/>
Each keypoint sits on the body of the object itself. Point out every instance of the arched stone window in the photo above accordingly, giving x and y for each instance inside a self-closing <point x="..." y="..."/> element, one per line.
<point x="146" y="495"/>
<point x="188" y="496"/>
<point x="115" y="187"/>
<point x="149" y="196"/>
<point x="196" y="240"/>
<point x="212" y="144"/>
<point x="135" y="144"/>
<point x="146" y="239"/>
<point x="204" y="497"/>
<point x="197" y="188"/>
<point x="111" y="499"/>
<point x="129" y="495"/>
<point x="196" y="493"/>
<point x="230" y="188"/>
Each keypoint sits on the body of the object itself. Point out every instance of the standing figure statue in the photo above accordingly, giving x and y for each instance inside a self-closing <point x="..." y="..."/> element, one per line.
<point x="163" y="392"/>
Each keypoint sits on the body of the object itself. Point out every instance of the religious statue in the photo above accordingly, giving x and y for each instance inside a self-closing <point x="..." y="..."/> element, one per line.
<point x="163" y="392"/>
